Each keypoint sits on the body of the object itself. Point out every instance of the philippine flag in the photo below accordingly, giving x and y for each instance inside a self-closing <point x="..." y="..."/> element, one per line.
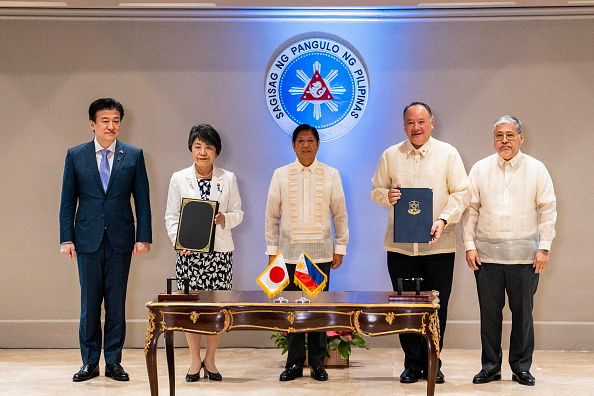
<point x="308" y="276"/>
<point x="274" y="278"/>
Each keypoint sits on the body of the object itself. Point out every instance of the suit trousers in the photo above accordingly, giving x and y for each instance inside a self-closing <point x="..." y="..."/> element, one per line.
<point x="520" y="282"/>
<point x="437" y="271"/>
<point x="316" y="341"/>
<point x="103" y="277"/>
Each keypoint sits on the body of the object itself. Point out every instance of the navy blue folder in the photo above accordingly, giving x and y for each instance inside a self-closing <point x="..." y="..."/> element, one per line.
<point x="413" y="216"/>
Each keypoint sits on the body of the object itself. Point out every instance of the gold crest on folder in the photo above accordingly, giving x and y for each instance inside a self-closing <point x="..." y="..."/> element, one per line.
<point x="414" y="207"/>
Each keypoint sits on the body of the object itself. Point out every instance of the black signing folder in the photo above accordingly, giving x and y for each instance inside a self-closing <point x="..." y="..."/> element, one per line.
<point x="196" y="228"/>
<point x="413" y="216"/>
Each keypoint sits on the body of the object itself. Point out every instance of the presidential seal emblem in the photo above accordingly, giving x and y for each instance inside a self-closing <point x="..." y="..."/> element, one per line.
<point x="317" y="81"/>
<point x="413" y="208"/>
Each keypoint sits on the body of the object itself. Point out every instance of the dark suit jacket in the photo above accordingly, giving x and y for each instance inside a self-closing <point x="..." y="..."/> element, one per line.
<point x="97" y="210"/>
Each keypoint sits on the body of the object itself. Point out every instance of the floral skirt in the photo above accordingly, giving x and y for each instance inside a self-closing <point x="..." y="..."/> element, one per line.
<point x="207" y="271"/>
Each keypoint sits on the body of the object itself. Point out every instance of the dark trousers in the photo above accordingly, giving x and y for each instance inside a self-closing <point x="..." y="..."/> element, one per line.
<point x="520" y="282"/>
<point x="316" y="341"/>
<point x="437" y="270"/>
<point x="103" y="277"/>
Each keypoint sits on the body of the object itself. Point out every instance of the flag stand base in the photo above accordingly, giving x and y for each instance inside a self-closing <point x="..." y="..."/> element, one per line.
<point x="281" y="300"/>
<point x="303" y="300"/>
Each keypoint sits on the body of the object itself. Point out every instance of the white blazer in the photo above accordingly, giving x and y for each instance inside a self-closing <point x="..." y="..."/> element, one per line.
<point x="223" y="188"/>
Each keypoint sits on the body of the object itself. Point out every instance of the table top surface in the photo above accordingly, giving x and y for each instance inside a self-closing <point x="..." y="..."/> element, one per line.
<point x="331" y="298"/>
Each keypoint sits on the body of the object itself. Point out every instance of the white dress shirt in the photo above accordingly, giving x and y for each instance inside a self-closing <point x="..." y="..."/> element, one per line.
<point x="436" y="165"/>
<point x="305" y="198"/>
<point x="512" y="210"/>
<point x="99" y="155"/>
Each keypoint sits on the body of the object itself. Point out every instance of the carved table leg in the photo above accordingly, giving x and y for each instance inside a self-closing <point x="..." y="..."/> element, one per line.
<point x="170" y="360"/>
<point x="432" y="338"/>
<point x="150" y="351"/>
<point x="432" y="365"/>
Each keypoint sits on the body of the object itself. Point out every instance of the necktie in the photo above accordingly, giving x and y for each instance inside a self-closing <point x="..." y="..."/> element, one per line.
<point x="104" y="169"/>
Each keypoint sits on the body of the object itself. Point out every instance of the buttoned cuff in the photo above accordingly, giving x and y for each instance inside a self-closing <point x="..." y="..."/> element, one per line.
<point x="469" y="245"/>
<point x="545" y="245"/>
<point x="340" y="249"/>
<point x="271" y="250"/>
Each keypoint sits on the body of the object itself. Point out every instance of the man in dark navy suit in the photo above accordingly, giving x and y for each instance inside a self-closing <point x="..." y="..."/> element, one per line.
<point x="97" y="227"/>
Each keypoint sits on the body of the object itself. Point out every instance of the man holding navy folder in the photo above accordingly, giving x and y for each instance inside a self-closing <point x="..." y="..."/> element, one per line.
<point x="422" y="161"/>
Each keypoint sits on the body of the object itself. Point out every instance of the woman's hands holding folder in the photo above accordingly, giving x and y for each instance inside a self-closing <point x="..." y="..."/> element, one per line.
<point x="182" y="251"/>
<point x="220" y="220"/>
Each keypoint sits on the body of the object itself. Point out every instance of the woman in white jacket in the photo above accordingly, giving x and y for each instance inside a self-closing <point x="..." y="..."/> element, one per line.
<point x="207" y="271"/>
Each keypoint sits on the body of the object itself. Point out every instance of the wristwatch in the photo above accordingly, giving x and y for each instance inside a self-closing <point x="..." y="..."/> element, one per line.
<point x="445" y="222"/>
<point x="545" y="251"/>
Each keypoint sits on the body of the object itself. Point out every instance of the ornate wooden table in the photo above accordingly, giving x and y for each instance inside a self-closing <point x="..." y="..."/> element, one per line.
<point x="369" y="313"/>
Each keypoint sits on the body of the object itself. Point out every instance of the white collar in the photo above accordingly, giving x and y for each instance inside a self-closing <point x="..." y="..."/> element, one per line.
<point x="300" y="167"/>
<point x="410" y="149"/>
<point x="98" y="147"/>
<point x="513" y="162"/>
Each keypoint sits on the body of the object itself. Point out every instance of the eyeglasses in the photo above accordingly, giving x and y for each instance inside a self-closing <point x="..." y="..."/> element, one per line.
<point x="509" y="136"/>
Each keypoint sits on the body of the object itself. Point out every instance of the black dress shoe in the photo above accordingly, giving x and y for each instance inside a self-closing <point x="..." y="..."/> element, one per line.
<point x="439" y="379"/>
<point x="211" y="376"/>
<point x="319" y="373"/>
<point x="193" y="377"/>
<point x="116" y="371"/>
<point x="524" y="378"/>
<point x="291" y="373"/>
<point x="483" y="377"/>
<point x="86" y="372"/>
<point x="409" y="376"/>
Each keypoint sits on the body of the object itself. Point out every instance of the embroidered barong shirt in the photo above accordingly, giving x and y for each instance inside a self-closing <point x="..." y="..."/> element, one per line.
<point x="307" y="199"/>
<point x="436" y="165"/>
<point x="512" y="210"/>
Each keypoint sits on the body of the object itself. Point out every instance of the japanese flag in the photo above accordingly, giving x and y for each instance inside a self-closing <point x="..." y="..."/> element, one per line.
<point x="275" y="278"/>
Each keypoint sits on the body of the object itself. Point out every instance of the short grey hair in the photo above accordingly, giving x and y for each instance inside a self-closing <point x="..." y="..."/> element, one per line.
<point x="507" y="119"/>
